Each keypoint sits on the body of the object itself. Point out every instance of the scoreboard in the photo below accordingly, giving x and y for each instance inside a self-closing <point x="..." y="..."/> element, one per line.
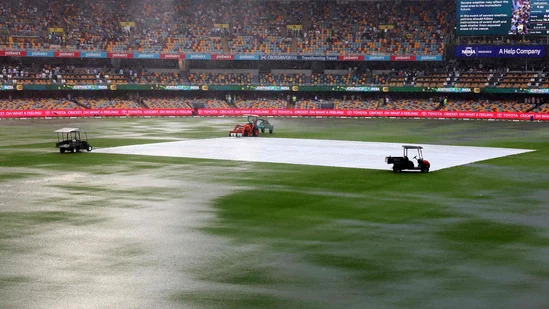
<point x="502" y="17"/>
<point x="539" y="17"/>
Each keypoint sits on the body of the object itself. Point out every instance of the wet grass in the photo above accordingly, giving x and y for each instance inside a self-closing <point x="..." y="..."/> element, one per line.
<point x="304" y="236"/>
<point x="19" y="224"/>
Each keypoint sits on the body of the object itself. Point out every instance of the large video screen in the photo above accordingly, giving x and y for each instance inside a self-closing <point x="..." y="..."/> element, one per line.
<point x="502" y="17"/>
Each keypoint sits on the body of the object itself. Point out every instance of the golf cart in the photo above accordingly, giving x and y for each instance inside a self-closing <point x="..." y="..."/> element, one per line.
<point x="403" y="163"/>
<point x="70" y="139"/>
<point x="263" y="124"/>
<point x="246" y="129"/>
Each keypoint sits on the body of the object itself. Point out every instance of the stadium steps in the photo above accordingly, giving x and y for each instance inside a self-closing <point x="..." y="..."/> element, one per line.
<point x="293" y="47"/>
<point x="141" y="102"/>
<point x="75" y="101"/>
<point x="225" y="45"/>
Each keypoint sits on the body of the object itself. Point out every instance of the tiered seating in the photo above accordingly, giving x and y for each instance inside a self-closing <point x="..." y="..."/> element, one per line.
<point x="37" y="104"/>
<point x="220" y="79"/>
<point x="472" y="79"/>
<point x="284" y="79"/>
<point x="307" y="104"/>
<point x="159" y="78"/>
<point x="214" y="103"/>
<point x="410" y="104"/>
<point x="104" y="103"/>
<point x="542" y="109"/>
<point x="397" y="81"/>
<point x="202" y="26"/>
<point x="356" y="104"/>
<point x="262" y="104"/>
<point x="517" y="80"/>
<point x="347" y="79"/>
<point x="488" y="106"/>
<point x="167" y="103"/>
<point x="334" y="29"/>
<point x="432" y="80"/>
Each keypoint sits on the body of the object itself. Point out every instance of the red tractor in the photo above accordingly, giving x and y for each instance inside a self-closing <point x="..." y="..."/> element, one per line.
<point x="247" y="129"/>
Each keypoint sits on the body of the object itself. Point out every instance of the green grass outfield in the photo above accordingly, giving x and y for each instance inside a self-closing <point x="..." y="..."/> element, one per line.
<point x="115" y="231"/>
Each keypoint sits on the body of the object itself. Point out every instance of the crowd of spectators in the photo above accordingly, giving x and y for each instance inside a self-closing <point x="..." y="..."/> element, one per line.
<point x="258" y="101"/>
<point x="243" y="26"/>
<point x="462" y="77"/>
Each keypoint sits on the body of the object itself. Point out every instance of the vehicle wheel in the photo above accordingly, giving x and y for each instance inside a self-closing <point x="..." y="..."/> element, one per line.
<point x="425" y="170"/>
<point x="90" y="148"/>
<point x="271" y="131"/>
<point x="76" y="149"/>
<point x="245" y="133"/>
<point x="256" y="132"/>
<point x="62" y="150"/>
<point x="396" y="169"/>
<point x="72" y="150"/>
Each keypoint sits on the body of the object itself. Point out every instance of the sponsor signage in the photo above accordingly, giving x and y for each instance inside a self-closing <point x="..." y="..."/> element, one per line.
<point x="93" y="55"/>
<point x="15" y="53"/>
<point x="181" y="87"/>
<point x="377" y="58"/>
<point x="120" y="55"/>
<point x="172" y="56"/>
<point x="279" y="57"/>
<point x="362" y="89"/>
<point x="503" y="51"/>
<point x="403" y="58"/>
<point x="39" y="54"/>
<point x="222" y="57"/>
<point x="246" y="57"/>
<point x="199" y="57"/>
<point x="538" y="91"/>
<point x="7" y="87"/>
<point x="271" y="88"/>
<point x="350" y="58"/>
<point x="429" y="58"/>
<point x="89" y="87"/>
<point x="67" y="54"/>
<point x="451" y="89"/>
<point x="317" y="58"/>
<point x="231" y="57"/>
<point x="270" y="112"/>
<point x="146" y="56"/>
<point x="139" y="112"/>
<point x="373" y="113"/>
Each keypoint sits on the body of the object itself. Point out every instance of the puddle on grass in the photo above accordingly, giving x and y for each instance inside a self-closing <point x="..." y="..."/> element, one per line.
<point x="127" y="239"/>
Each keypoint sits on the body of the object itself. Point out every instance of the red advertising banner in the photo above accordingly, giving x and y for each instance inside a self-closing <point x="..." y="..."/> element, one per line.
<point x="120" y="55"/>
<point x="350" y="58"/>
<point x="172" y="56"/>
<point x="94" y="113"/>
<point x="372" y="113"/>
<point x="222" y="57"/>
<point x="269" y="112"/>
<point x="403" y="58"/>
<point x="15" y="53"/>
<point x="66" y="54"/>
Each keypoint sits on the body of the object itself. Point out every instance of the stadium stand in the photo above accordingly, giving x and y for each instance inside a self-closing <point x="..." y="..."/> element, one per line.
<point x="107" y="103"/>
<point x="323" y="28"/>
<point x="37" y="104"/>
<point x="167" y="103"/>
<point x="488" y="106"/>
<point x="356" y="104"/>
<point x="410" y="104"/>
<point x="265" y="103"/>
